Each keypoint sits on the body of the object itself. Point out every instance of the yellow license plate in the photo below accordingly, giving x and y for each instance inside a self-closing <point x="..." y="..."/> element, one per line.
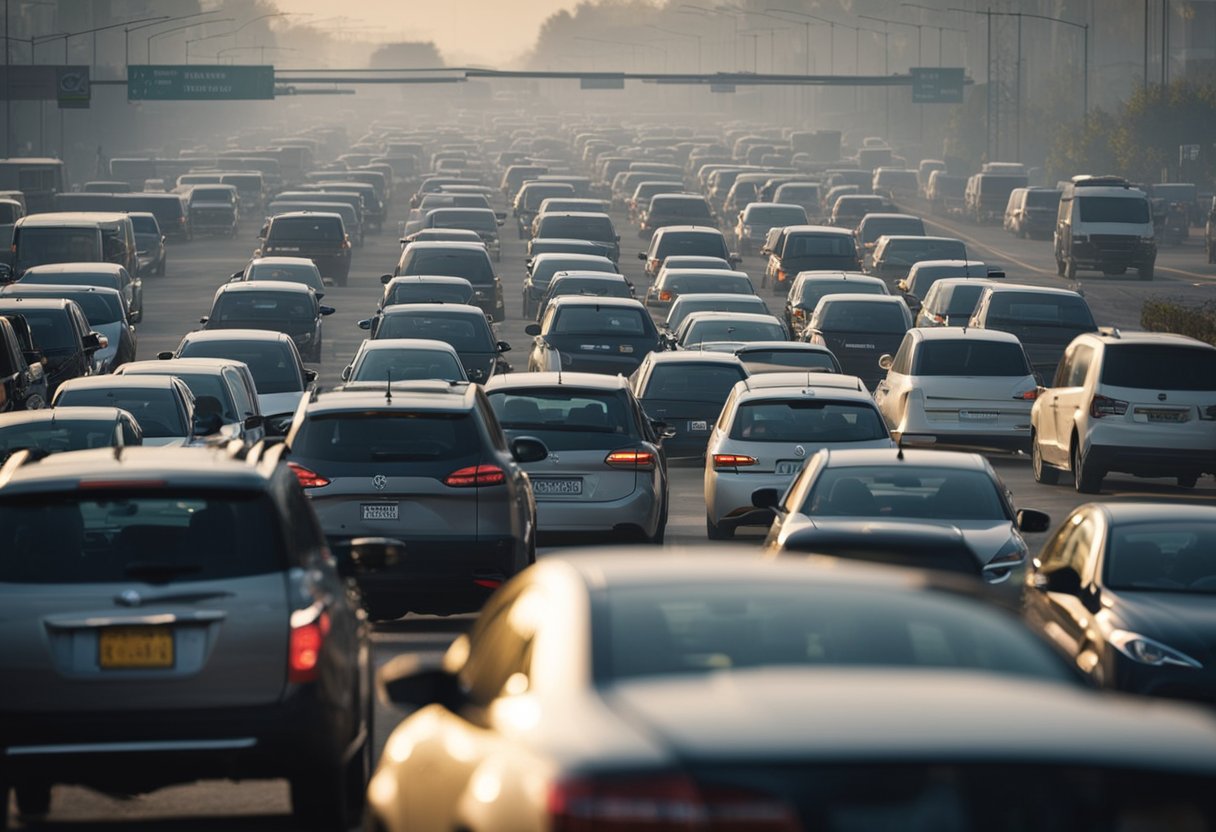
<point x="126" y="648"/>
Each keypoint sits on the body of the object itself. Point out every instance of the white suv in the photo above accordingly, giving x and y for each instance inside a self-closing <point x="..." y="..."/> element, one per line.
<point x="1142" y="403"/>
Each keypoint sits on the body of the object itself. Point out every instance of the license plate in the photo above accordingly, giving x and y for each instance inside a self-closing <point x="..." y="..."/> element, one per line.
<point x="788" y="466"/>
<point x="554" y="486"/>
<point x="134" y="648"/>
<point x="1165" y="415"/>
<point x="381" y="511"/>
<point x="977" y="416"/>
<point x="698" y="427"/>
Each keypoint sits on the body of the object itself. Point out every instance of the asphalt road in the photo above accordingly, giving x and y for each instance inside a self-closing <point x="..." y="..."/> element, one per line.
<point x="173" y="304"/>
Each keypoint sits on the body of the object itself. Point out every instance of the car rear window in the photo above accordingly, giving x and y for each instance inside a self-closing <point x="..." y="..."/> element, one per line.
<point x="369" y="437"/>
<point x="591" y="320"/>
<point x="777" y="360"/>
<point x="156" y="409"/>
<point x="543" y="271"/>
<point x="466" y="333"/>
<point x="480" y="221"/>
<point x="819" y="245"/>
<point x="58" y="436"/>
<point x="807" y="420"/>
<point x="99" y="309"/>
<point x="709" y="284"/>
<point x="428" y="293"/>
<point x="567" y="420"/>
<point x="1160" y="367"/>
<point x="473" y="266"/>
<point x="306" y="230"/>
<point x="859" y="316"/>
<point x="36" y="246"/>
<point x="1039" y="309"/>
<point x="236" y="307"/>
<point x="695" y="382"/>
<point x="775" y="215"/>
<point x="962" y="357"/>
<point x="1043" y="199"/>
<point x="815" y="290"/>
<point x="577" y="228"/>
<point x="690" y="208"/>
<point x="704" y="331"/>
<point x="1114" y="209"/>
<point x="906" y="252"/>
<point x="711" y="245"/>
<point x="131" y="537"/>
<point x="688" y="304"/>
<point x="271" y="364"/>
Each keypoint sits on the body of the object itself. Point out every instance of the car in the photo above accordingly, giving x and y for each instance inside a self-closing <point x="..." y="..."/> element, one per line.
<point x="606" y="471"/>
<point x="61" y="337"/>
<point x="951" y="300"/>
<point x="893" y="542"/>
<point x="234" y="651"/>
<point x="272" y="358"/>
<point x="284" y="269"/>
<point x="848" y="487"/>
<point x="797" y="192"/>
<point x="946" y="193"/>
<point x="859" y="329"/>
<point x="542" y="267"/>
<point x="585" y="284"/>
<point x="23" y="384"/>
<point x="689" y="679"/>
<point x="848" y="209"/>
<point x="894" y="256"/>
<point x="319" y="236"/>
<point x="673" y="283"/>
<point x="441" y="235"/>
<point x="961" y="386"/>
<point x="163" y="405"/>
<point x="924" y="274"/>
<point x="104" y="309"/>
<point x="688" y="303"/>
<point x="801" y="248"/>
<point x="873" y="226"/>
<point x="221" y="387"/>
<point x="424" y="463"/>
<point x="579" y="225"/>
<point x="1104" y="223"/>
<point x="1147" y="569"/>
<point x="50" y="431"/>
<point x="769" y="426"/>
<point x="74" y="237"/>
<point x="275" y="305"/>
<point x="730" y="329"/>
<point x="757" y="218"/>
<point x="483" y="221"/>
<point x="404" y="359"/>
<point x="106" y="275"/>
<point x="528" y="198"/>
<point x="1031" y="212"/>
<point x="684" y="240"/>
<point x="761" y="357"/>
<point x="465" y="327"/>
<point x="1141" y="403"/>
<point x="808" y="288"/>
<point x="686" y="391"/>
<point x="596" y="335"/>
<point x="468" y="260"/>
<point x="425" y="289"/>
<point x="150" y="243"/>
<point x="1044" y="319"/>
<point x="214" y="209"/>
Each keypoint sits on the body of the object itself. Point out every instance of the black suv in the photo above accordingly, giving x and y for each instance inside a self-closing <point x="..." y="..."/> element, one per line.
<point x="61" y="333"/>
<point x="320" y="237"/>
<point x="468" y="260"/>
<point x="274" y="305"/>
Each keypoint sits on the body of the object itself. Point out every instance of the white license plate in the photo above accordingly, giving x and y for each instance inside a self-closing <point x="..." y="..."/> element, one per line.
<point x="381" y="511"/>
<point x="788" y="466"/>
<point x="698" y="427"/>
<point x="554" y="486"/>
<point x="977" y="415"/>
<point x="1165" y="415"/>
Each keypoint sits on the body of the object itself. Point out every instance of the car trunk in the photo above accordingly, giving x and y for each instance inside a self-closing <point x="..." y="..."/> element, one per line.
<point x="581" y="476"/>
<point x="858" y="352"/>
<point x="982" y="403"/>
<point x="610" y="354"/>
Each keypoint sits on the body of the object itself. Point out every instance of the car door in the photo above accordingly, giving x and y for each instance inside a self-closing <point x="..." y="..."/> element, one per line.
<point x="1064" y="617"/>
<point x="889" y="393"/>
<point x="1067" y="399"/>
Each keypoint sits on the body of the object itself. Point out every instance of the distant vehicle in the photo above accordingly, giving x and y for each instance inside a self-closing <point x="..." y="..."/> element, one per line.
<point x="300" y="270"/>
<point x="467" y="260"/>
<point x="757" y="218"/>
<point x="987" y="194"/>
<point x="272" y="358"/>
<point x="483" y="221"/>
<point x="214" y="209"/>
<point x="685" y="391"/>
<point x="665" y="210"/>
<point x="39" y="179"/>
<point x="810" y="287"/>
<point x="596" y="335"/>
<point x="43" y="239"/>
<point x="584" y="284"/>
<point x="946" y="193"/>
<point x="104" y="309"/>
<point x="673" y="283"/>
<point x="925" y="273"/>
<point x="1103" y="223"/>
<point x="224" y="390"/>
<point x="162" y="405"/>
<point x="464" y="327"/>
<point x="425" y="289"/>
<point x="951" y="300"/>
<point x="1031" y="212"/>
<point x="808" y="248"/>
<point x="894" y="256"/>
<point x="873" y="226"/>
<point x="149" y="243"/>
<point x="320" y="237"/>
<point x="761" y="357"/>
<point x="274" y="305"/>
<point x="859" y="329"/>
<point x="103" y="275"/>
<point x="1045" y="320"/>
<point x="596" y="227"/>
<point x="684" y="240"/>
<point x="61" y="338"/>
<point x="687" y="303"/>
<point x="404" y="359"/>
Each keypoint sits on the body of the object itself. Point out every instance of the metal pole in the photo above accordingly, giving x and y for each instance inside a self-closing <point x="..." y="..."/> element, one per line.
<point x="991" y="90"/>
<point x="1146" y="22"/>
<point x="1165" y="42"/>
<point x="1085" y="95"/>
<point x="8" y="111"/>
<point x="1018" y="95"/>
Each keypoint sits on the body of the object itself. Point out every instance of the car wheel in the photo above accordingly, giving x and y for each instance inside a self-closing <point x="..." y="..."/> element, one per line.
<point x="1070" y="269"/>
<point x="1188" y="480"/>
<point x="1059" y="266"/>
<point x="1145" y="272"/>
<point x="660" y="531"/>
<point x="715" y="532"/>
<point x="1086" y="480"/>
<point x="319" y="799"/>
<point x="33" y="799"/>
<point x="160" y="270"/>
<point x="1043" y="473"/>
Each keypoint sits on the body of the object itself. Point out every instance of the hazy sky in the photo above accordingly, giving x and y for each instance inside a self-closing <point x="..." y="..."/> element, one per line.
<point x="488" y="31"/>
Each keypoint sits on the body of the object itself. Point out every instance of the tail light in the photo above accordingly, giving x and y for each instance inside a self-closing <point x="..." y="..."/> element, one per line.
<point x="654" y="264"/>
<point x="475" y="476"/>
<point x="781" y="275"/>
<point x="799" y="312"/>
<point x="664" y="295"/>
<point x="1106" y="406"/>
<point x="663" y="804"/>
<point x="308" y="630"/>
<point x="634" y="460"/>
<point x="939" y="319"/>
<point x="733" y="461"/>
<point x="1027" y="395"/>
<point x="307" y="477"/>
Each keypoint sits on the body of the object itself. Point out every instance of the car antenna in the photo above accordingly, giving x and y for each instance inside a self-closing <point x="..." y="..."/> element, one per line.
<point x="388" y="385"/>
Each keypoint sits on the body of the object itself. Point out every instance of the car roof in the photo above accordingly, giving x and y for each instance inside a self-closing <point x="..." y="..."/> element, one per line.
<point x="891" y="216"/>
<point x="579" y="300"/>
<point x="805" y="380"/>
<point x="63" y="414"/>
<point x="16" y="304"/>
<point x="695" y="272"/>
<point x="797" y="346"/>
<point x="430" y="278"/>
<point x="569" y="257"/>
<point x="818" y="229"/>
<point x="578" y="214"/>
<point x="834" y="276"/>
<point x="282" y="261"/>
<point x="433" y="395"/>
<point x="675" y="196"/>
<point x="926" y="265"/>
<point x="81" y="219"/>
<point x="76" y="268"/>
<point x="306" y="215"/>
<point x="590" y="381"/>
<point x="714" y="297"/>
<point x="432" y="309"/>
<point x="111" y="382"/>
<point x="269" y="336"/>
<point x="1146" y="512"/>
<point x="837" y="297"/>
<point x="168" y="366"/>
<point x="687" y="229"/>
<point x="166" y="468"/>
<point x="1026" y="288"/>
<point x="693" y="357"/>
<point x="54" y="290"/>
<point x="893" y="458"/>
<point x="955" y="333"/>
<point x="379" y="344"/>
<point x="710" y="315"/>
<point x="903" y="238"/>
<point x="953" y="282"/>
<point x="446" y="245"/>
<point x="284" y="286"/>
<point x="1114" y="336"/>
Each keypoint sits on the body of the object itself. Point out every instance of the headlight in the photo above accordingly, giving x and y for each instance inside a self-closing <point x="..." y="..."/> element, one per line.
<point x="1145" y="650"/>
<point x="1011" y="555"/>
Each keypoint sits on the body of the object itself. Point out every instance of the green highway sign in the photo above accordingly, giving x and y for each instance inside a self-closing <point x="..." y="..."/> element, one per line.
<point x="166" y="82"/>
<point x="937" y="85"/>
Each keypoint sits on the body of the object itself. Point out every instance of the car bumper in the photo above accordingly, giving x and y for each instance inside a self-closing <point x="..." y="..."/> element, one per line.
<point x="1113" y="256"/>
<point x="640" y="510"/>
<point x="1154" y="461"/>
<point x="728" y="497"/>
<point x="1008" y="433"/>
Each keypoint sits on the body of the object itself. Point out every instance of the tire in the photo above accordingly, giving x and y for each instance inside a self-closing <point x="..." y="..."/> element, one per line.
<point x="1059" y="266"/>
<point x="1145" y="272"/>
<point x="1043" y="473"/>
<point x="1086" y="480"/>
<point x="660" y="531"/>
<point x="160" y="270"/>
<point x="1188" y="480"/>
<point x="715" y="532"/>
<point x="33" y="799"/>
<point x="1070" y="269"/>
<point x="320" y="799"/>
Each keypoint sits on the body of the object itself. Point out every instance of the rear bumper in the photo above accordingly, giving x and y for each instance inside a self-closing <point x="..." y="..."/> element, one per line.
<point x="728" y="497"/>
<point x="640" y="510"/>
<point x="1096" y="255"/>
<point x="1010" y="432"/>
<point x="1153" y="462"/>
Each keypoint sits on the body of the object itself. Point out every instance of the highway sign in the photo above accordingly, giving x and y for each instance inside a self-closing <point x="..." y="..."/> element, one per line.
<point x="164" y="82"/>
<point x="937" y="85"/>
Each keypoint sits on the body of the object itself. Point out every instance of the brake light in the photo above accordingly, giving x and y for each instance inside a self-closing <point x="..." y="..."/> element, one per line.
<point x="781" y="275"/>
<point x="733" y="461"/>
<point x="664" y="295"/>
<point x="308" y="478"/>
<point x="475" y="476"/>
<point x="637" y="460"/>
<point x="1027" y="395"/>
<point x="799" y="312"/>
<point x="304" y="648"/>
<point x="1106" y="406"/>
<point x="669" y="803"/>
<point x="654" y="264"/>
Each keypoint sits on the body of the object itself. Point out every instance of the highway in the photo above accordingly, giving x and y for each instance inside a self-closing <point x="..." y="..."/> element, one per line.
<point x="174" y="303"/>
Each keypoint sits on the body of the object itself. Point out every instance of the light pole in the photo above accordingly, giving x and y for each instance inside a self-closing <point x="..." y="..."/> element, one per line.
<point x="8" y="39"/>
<point x="156" y="35"/>
<point x="940" y="29"/>
<point x="127" y="30"/>
<point x="831" y="31"/>
<point x="682" y="35"/>
<point x="261" y="47"/>
<point x="734" y="20"/>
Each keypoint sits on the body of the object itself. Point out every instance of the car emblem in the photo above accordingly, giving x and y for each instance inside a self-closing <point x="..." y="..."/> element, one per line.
<point x="554" y="458"/>
<point x="130" y="598"/>
<point x="1161" y="397"/>
<point x="380" y="482"/>
<point x="799" y="450"/>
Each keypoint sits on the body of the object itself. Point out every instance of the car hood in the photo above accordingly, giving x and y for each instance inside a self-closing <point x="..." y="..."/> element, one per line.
<point x="273" y="403"/>
<point x="1186" y="621"/>
<point x="985" y="537"/>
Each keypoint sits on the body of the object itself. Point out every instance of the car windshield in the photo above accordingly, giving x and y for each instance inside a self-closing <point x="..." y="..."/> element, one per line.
<point x="240" y="307"/>
<point x="474" y="265"/>
<point x="36" y="246"/>
<point x="964" y="357"/>
<point x="780" y="361"/>
<point x="397" y="436"/>
<point x="819" y="245"/>
<point x="813" y="421"/>
<point x="306" y="229"/>
<point x="302" y="273"/>
<point x="58" y="436"/>
<point x="132" y="537"/>
<point x="906" y="492"/>
<point x="1117" y="209"/>
<point x="708" y="284"/>
<point x="905" y="252"/>
<point x="692" y="381"/>
<point x="407" y="365"/>
<point x="1163" y="557"/>
<point x="859" y="316"/>
<point x="815" y="290"/>
<point x="713" y="329"/>
<point x="466" y="333"/>
<point x="429" y="293"/>
<point x="272" y="365"/>
<point x="155" y="408"/>
<point x="1160" y="367"/>
<point x="1039" y="309"/>
<point x="600" y="321"/>
<point x="567" y="420"/>
<point x="694" y="627"/>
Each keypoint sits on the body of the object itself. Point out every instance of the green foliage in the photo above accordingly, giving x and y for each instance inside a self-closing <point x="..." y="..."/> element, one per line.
<point x="1164" y="315"/>
<point x="1083" y="147"/>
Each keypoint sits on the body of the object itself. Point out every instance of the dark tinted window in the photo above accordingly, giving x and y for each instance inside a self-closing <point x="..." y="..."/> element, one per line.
<point x="577" y="228"/>
<point x="483" y="221"/>
<point x="1160" y="367"/>
<point x="920" y="493"/>
<point x="567" y="420"/>
<point x="906" y="252"/>
<point x="543" y="271"/>
<point x="713" y="329"/>
<point x="692" y="382"/>
<point x="819" y="245"/>
<point x="1043" y="199"/>
<point x="36" y="246"/>
<point x="580" y="286"/>
<point x="156" y="409"/>
<point x="466" y="333"/>
<point x="107" y="281"/>
<point x="429" y="293"/>
<point x="1040" y="309"/>
<point x="98" y="308"/>
<point x="774" y="361"/>
<point x="407" y="364"/>
<point x="1114" y="209"/>
<point x="711" y="245"/>
<point x="773" y="215"/>
<point x="200" y="194"/>
<point x="145" y="225"/>
<point x="709" y="284"/>
<point x="272" y="365"/>
<point x="807" y="420"/>
<point x="306" y="274"/>
<point x="51" y="328"/>
<point x="62" y="435"/>
<point x="964" y="357"/>
<point x="963" y="300"/>
<point x="814" y="290"/>
<point x="236" y="307"/>
<point x="124" y="538"/>
<point x="591" y="320"/>
<point x="385" y="437"/>
<point x="209" y="384"/>
<point x="306" y="229"/>
<point x="690" y="208"/>
<point x="473" y="266"/>
<point x="859" y="316"/>
<point x="1163" y="557"/>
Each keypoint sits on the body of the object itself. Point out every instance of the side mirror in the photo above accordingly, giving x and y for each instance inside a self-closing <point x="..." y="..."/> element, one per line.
<point x="386" y="279"/>
<point x="347" y="371"/>
<point x="310" y="376"/>
<point x="503" y="346"/>
<point x="94" y="341"/>
<point x="238" y="275"/>
<point x="165" y="356"/>
<point x="206" y="424"/>
<point x="365" y="324"/>
<point x="642" y="255"/>
<point x="203" y="320"/>
<point x="1065" y="580"/>
<point x="886" y="362"/>
<point x="768" y="498"/>
<point x="254" y="422"/>
<point x="1030" y="520"/>
<point x="371" y="554"/>
<point x="414" y="681"/>
<point x="327" y="310"/>
<point x="527" y="449"/>
<point x="532" y="329"/>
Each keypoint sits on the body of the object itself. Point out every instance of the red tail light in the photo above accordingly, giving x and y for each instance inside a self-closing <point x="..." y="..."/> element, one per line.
<point x="304" y="648"/>
<point x="475" y="476"/>
<point x="663" y="804"/>
<point x="664" y="295"/>
<point x="643" y="460"/>
<point x="733" y="461"/>
<point x="1027" y="395"/>
<point x="799" y="312"/>
<point x="781" y="275"/>
<point x="1106" y="406"/>
<point x="939" y="319"/>
<point x="307" y="478"/>
<point x="654" y="264"/>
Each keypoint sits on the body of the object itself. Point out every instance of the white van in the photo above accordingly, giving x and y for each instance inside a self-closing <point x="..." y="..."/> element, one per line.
<point x="1105" y="224"/>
